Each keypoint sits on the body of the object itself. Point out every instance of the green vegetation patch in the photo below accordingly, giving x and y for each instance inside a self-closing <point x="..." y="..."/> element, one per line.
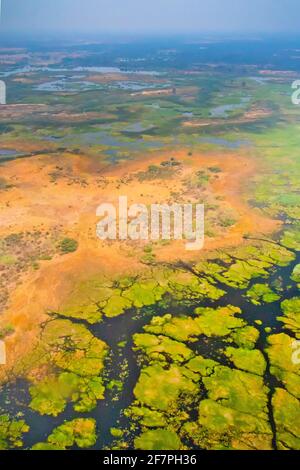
<point x="11" y="432"/>
<point x="78" y="357"/>
<point x="51" y="395"/>
<point x="291" y="238"/>
<point x="76" y="349"/>
<point x="202" y="366"/>
<point x="235" y="414"/>
<point x="287" y="419"/>
<point x="92" y="299"/>
<point x="218" y="322"/>
<point x="208" y="321"/>
<point x="158" y="387"/>
<point x="160" y="439"/>
<point x="291" y="317"/>
<point x="186" y="287"/>
<point x="245" y="337"/>
<point x="262" y="293"/>
<point x="115" y="432"/>
<point x="179" y="328"/>
<point x="87" y="299"/>
<point x="144" y="293"/>
<point x="245" y="359"/>
<point x="224" y="428"/>
<point x="238" y="390"/>
<point x="246" y="263"/>
<point x="296" y="274"/>
<point x="79" y="432"/>
<point x="116" y="305"/>
<point x="7" y="330"/>
<point x="147" y="417"/>
<point x="280" y="351"/>
<point x="7" y="259"/>
<point x="68" y="245"/>
<point x="156" y="347"/>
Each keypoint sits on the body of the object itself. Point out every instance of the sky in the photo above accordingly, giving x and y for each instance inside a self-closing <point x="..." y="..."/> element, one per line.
<point x="151" y="16"/>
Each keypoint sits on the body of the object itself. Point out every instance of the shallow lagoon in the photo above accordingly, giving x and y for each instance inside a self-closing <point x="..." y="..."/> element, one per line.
<point x="231" y="144"/>
<point x="224" y="110"/>
<point x="81" y="84"/>
<point x="106" y="139"/>
<point x="64" y="84"/>
<point x="9" y="154"/>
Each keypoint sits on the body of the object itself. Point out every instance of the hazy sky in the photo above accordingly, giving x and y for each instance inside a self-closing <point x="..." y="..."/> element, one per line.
<point x="151" y="15"/>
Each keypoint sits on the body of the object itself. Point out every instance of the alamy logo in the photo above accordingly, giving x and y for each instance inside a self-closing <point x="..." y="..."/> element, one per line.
<point x="157" y="222"/>
<point x="2" y="92"/>
<point x="296" y="352"/>
<point x="296" y="94"/>
<point x="2" y="353"/>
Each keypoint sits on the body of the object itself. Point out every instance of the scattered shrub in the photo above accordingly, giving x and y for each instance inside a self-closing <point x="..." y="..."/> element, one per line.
<point x="6" y="331"/>
<point x="68" y="245"/>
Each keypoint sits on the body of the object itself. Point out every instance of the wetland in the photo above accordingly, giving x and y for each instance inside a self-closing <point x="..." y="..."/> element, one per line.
<point x="143" y="345"/>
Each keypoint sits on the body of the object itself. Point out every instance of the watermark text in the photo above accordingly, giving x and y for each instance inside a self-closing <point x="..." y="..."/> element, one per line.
<point x="154" y="222"/>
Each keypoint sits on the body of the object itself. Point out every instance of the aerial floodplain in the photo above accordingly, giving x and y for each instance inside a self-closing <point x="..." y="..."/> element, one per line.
<point x="176" y="338"/>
